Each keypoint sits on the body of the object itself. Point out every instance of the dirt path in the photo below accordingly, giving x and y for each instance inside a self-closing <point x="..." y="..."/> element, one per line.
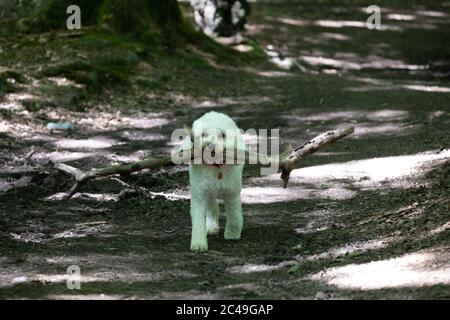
<point x="366" y="218"/>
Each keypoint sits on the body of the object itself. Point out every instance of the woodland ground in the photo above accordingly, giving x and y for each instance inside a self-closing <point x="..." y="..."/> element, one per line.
<point x="365" y="218"/>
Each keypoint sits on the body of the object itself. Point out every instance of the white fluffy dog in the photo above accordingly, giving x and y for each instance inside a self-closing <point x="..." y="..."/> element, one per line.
<point x="210" y="181"/>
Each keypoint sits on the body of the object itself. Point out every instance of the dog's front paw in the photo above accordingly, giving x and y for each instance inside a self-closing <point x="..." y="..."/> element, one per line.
<point x="212" y="227"/>
<point x="213" y="231"/>
<point x="199" y="246"/>
<point x="232" y="233"/>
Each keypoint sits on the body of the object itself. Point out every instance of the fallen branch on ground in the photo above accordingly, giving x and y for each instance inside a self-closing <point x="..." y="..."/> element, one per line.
<point x="287" y="161"/>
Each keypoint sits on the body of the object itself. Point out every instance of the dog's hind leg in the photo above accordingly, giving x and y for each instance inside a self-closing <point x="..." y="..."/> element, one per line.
<point x="212" y="217"/>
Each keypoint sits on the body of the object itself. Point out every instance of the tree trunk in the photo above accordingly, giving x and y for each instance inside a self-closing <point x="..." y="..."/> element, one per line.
<point x="144" y="19"/>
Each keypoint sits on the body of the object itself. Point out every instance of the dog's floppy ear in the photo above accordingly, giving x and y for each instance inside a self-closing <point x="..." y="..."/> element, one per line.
<point x="189" y="132"/>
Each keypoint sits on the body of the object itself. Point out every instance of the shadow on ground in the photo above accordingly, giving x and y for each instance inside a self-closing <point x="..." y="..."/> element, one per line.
<point x="364" y="218"/>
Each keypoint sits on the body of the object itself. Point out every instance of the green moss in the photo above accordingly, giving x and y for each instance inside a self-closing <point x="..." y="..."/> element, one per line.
<point x="53" y="14"/>
<point x="104" y="61"/>
<point x="155" y="22"/>
<point x="8" y="79"/>
<point x="6" y="74"/>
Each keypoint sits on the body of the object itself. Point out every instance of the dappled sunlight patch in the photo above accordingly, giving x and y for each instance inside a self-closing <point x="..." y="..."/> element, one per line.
<point x="330" y="62"/>
<point x="251" y="268"/>
<point x="7" y="184"/>
<point x="439" y="230"/>
<point x="22" y="125"/>
<point x="281" y="61"/>
<point x="340" y="24"/>
<point x="321" y="220"/>
<point x="254" y="195"/>
<point x="337" y="24"/>
<point x="425" y="268"/>
<point x="10" y="106"/>
<point x="248" y="286"/>
<point x="374" y="172"/>
<point x="105" y="276"/>
<point x="13" y="101"/>
<point x="290" y="21"/>
<point x="143" y="123"/>
<point x="367" y="88"/>
<point x="252" y="139"/>
<point x="185" y="295"/>
<point x="100" y="197"/>
<point x="385" y="121"/>
<point x="137" y="135"/>
<point x="64" y="82"/>
<point x="40" y="137"/>
<point x="82" y="230"/>
<point x="334" y="24"/>
<point x="379" y="115"/>
<point x="331" y="154"/>
<point x="351" y="249"/>
<point x="377" y="62"/>
<point x="67" y="156"/>
<point x="437" y="114"/>
<point x="389" y="128"/>
<point x="401" y="17"/>
<point x="254" y="29"/>
<point x="274" y="74"/>
<point x="426" y="88"/>
<point x="411" y="211"/>
<point x="411" y="13"/>
<point x="398" y="171"/>
<point x="377" y="84"/>
<point x="374" y="81"/>
<point x="106" y="118"/>
<point x="61" y="156"/>
<point x="127" y="158"/>
<point x="18" y="130"/>
<point x="433" y="14"/>
<point x="243" y="48"/>
<point x="357" y="63"/>
<point x="371" y="84"/>
<point x="334" y="36"/>
<point x="91" y="143"/>
<point x="126" y="268"/>
<point x="231" y="101"/>
<point x="100" y="296"/>
<point x="16" y="169"/>
<point x="177" y="195"/>
<point x="17" y="97"/>
<point x="28" y="237"/>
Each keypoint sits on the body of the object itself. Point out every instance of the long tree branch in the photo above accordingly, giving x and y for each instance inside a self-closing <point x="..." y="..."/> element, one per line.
<point x="291" y="157"/>
<point x="287" y="161"/>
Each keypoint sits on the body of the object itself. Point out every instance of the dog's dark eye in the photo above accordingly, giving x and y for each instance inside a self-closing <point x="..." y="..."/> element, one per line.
<point x="222" y="135"/>
<point x="204" y="134"/>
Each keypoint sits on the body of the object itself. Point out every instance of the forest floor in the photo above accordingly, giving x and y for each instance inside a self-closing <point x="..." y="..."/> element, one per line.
<point x="365" y="218"/>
